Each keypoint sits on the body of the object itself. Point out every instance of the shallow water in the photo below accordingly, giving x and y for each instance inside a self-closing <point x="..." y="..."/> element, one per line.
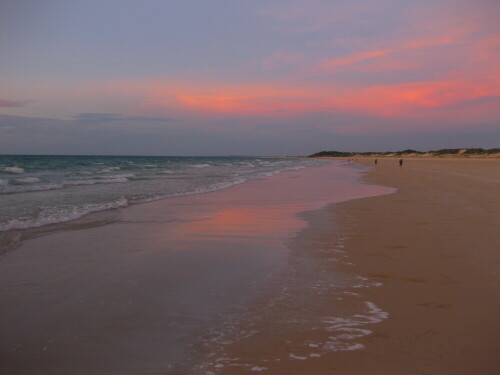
<point x="42" y="190"/>
<point x="49" y="191"/>
<point x="141" y="295"/>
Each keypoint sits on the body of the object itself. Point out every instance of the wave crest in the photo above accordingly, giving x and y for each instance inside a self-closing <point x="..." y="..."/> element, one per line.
<point x="61" y="214"/>
<point x="15" y="170"/>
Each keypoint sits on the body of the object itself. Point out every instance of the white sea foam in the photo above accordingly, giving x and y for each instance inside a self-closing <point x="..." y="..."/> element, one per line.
<point x="349" y="328"/>
<point x="109" y="169"/>
<point x="16" y="170"/>
<point x="27" y="179"/>
<point x="298" y="357"/>
<point x="200" y="165"/>
<point x="377" y="313"/>
<point x="61" y="214"/>
<point x="352" y="333"/>
<point x="29" y="188"/>
<point x="258" y="368"/>
<point x="123" y="175"/>
<point x="336" y="346"/>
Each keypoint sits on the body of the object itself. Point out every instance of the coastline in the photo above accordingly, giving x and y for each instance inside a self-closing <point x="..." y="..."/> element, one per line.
<point x="135" y="295"/>
<point x="44" y="194"/>
<point x="404" y="283"/>
<point x="365" y="158"/>
<point x="431" y="248"/>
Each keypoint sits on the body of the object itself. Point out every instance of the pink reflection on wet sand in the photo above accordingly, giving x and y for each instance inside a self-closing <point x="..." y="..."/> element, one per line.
<point x="118" y="298"/>
<point x="267" y="209"/>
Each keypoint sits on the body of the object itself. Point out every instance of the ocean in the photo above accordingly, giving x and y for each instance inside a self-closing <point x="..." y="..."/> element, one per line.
<point x="43" y="191"/>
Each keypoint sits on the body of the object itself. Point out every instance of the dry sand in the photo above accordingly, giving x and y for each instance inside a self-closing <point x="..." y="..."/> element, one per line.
<point x="434" y="245"/>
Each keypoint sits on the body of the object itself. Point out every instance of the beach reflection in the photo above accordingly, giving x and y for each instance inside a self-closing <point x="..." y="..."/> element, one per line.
<point x="243" y="223"/>
<point x="139" y="293"/>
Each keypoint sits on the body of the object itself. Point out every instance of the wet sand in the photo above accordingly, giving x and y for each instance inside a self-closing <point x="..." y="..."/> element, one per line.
<point x="428" y="258"/>
<point x="144" y="294"/>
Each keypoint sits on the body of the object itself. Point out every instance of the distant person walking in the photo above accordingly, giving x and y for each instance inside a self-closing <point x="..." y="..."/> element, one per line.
<point x="400" y="163"/>
<point x="375" y="161"/>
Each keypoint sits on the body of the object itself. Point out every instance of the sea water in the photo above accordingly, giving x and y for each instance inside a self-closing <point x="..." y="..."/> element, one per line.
<point x="37" y="191"/>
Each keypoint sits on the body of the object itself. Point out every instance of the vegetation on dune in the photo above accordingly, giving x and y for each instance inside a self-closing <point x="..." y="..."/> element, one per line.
<point x="409" y="151"/>
<point x="481" y="151"/>
<point x="443" y="151"/>
<point x="339" y="154"/>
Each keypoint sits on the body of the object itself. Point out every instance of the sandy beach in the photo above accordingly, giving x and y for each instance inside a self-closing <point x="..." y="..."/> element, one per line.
<point x="434" y="244"/>
<point x="285" y="275"/>
<point x="428" y="255"/>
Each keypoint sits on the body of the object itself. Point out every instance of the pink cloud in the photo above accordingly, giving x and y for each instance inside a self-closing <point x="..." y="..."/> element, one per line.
<point x="392" y="50"/>
<point x="446" y="69"/>
<point x="217" y="97"/>
<point x="411" y="98"/>
<point x="352" y="59"/>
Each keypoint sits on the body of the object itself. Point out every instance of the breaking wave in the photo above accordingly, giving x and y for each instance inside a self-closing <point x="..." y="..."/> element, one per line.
<point x="61" y="214"/>
<point x="16" y="170"/>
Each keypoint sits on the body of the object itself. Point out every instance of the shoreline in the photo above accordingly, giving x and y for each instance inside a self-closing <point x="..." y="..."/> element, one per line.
<point x="429" y="253"/>
<point x="384" y="285"/>
<point x="103" y="213"/>
<point x="135" y="295"/>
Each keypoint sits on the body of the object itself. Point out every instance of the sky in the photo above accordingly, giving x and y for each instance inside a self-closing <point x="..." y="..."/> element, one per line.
<point x="247" y="77"/>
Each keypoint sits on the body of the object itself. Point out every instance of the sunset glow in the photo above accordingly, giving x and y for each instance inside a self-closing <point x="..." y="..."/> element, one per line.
<point x="336" y="66"/>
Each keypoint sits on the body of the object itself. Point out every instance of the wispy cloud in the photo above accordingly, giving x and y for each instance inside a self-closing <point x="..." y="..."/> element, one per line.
<point x="98" y="118"/>
<point x="4" y="103"/>
<point x="353" y="58"/>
